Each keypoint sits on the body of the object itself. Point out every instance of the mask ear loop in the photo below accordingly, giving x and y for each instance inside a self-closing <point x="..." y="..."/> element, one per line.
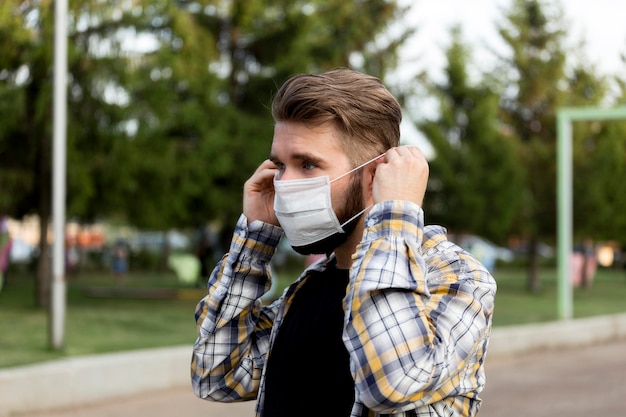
<point x="352" y="170"/>
<point x="359" y="167"/>
<point x="356" y="215"/>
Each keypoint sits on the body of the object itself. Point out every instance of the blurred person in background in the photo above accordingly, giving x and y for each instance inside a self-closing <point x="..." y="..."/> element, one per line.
<point x="119" y="262"/>
<point x="584" y="263"/>
<point x="394" y="320"/>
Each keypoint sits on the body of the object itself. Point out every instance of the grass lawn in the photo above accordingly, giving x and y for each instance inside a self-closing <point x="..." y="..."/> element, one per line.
<point x="516" y="305"/>
<point x="95" y="324"/>
<point x="117" y="322"/>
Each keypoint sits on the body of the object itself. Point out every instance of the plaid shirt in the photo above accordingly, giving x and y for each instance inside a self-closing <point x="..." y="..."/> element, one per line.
<point x="418" y="312"/>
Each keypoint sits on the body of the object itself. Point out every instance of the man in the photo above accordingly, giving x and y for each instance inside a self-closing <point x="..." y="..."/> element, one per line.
<point x="394" y="320"/>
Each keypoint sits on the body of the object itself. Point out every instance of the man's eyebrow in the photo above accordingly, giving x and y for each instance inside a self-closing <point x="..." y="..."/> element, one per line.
<point x="309" y="158"/>
<point x="304" y="157"/>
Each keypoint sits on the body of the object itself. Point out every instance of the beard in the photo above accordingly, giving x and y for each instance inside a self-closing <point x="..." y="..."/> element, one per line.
<point x="352" y="206"/>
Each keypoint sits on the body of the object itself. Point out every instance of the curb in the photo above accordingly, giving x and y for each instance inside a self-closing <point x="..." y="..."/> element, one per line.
<point x="516" y="340"/>
<point x="88" y="379"/>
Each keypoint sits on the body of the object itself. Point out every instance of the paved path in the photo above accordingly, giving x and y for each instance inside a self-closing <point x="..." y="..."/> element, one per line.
<point x="580" y="382"/>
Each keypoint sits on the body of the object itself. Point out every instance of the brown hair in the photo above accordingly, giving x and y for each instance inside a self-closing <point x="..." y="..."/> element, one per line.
<point x="359" y="105"/>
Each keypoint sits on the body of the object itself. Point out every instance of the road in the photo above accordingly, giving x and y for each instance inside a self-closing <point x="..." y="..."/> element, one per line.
<point x="581" y="382"/>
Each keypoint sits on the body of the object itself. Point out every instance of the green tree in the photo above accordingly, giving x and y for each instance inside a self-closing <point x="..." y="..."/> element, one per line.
<point x="599" y="153"/>
<point x="599" y="165"/>
<point x="120" y="163"/>
<point x="616" y="153"/>
<point x="539" y="78"/>
<point x="599" y="187"/>
<point x="26" y="90"/>
<point x="475" y="178"/>
<point x="532" y="76"/>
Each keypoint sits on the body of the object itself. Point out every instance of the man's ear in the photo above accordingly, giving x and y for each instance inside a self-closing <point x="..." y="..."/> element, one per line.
<point x="368" y="182"/>
<point x="371" y="168"/>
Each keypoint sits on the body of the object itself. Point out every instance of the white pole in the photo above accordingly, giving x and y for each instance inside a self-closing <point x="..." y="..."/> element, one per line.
<point x="58" y="290"/>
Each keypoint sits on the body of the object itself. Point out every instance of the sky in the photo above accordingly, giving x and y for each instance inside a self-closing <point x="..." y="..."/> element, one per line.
<point x="600" y="23"/>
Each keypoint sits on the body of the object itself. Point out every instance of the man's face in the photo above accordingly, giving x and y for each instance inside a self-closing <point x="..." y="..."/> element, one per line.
<point x="301" y="152"/>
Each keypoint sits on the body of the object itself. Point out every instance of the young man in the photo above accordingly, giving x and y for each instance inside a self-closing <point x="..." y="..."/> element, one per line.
<point x="394" y="320"/>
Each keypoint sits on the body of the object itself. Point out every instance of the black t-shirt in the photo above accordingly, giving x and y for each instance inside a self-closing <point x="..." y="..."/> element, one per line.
<point x="308" y="373"/>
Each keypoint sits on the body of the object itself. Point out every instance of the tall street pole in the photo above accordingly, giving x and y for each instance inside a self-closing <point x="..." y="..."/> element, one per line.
<point x="59" y="161"/>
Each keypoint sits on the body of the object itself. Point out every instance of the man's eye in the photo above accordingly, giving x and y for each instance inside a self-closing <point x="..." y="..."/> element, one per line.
<point x="308" y="166"/>
<point x="280" y="166"/>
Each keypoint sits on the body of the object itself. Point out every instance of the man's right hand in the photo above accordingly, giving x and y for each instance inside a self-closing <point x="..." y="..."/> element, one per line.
<point x="258" y="194"/>
<point x="402" y="175"/>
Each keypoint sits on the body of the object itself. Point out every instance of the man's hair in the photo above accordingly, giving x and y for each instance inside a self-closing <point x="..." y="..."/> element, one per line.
<point x="365" y="113"/>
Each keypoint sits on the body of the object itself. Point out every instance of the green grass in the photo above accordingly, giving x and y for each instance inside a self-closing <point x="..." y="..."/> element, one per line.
<point x="94" y="324"/>
<point x="516" y="305"/>
<point x="109" y="324"/>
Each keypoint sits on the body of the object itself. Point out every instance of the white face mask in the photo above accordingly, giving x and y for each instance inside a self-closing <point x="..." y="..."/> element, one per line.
<point x="305" y="212"/>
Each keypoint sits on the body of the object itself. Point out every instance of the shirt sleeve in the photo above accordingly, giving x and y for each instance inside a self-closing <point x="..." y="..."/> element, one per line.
<point x="233" y="326"/>
<point x="418" y="315"/>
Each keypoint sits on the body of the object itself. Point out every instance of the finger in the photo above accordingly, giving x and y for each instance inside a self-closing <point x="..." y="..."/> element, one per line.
<point x="416" y="151"/>
<point x="391" y="154"/>
<point x="267" y="169"/>
<point x="395" y="155"/>
<point x="409" y="150"/>
<point x="267" y="164"/>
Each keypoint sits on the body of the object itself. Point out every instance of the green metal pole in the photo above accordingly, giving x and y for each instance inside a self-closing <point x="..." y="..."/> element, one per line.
<point x="565" y="195"/>
<point x="564" y="226"/>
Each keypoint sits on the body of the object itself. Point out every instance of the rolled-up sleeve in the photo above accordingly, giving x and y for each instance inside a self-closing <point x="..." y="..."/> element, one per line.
<point x="418" y="314"/>
<point x="233" y="326"/>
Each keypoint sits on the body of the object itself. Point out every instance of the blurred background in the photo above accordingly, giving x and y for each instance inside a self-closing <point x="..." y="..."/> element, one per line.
<point x="168" y="115"/>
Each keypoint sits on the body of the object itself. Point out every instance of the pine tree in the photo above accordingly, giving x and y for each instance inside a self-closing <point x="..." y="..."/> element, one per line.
<point x="475" y="177"/>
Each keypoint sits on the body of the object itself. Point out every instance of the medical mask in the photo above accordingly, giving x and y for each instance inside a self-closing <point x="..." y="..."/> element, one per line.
<point x="304" y="209"/>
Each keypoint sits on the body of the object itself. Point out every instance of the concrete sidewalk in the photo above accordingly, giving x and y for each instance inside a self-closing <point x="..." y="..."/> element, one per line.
<point x="577" y="382"/>
<point x="137" y="376"/>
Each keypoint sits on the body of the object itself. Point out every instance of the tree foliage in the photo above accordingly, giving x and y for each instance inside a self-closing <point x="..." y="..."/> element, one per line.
<point x="474" y="176"/>
<point x="539" y="81"/>
<point x="599" y="163"/>
<point x="547" y="76"/>
<point x="494" y="172"/>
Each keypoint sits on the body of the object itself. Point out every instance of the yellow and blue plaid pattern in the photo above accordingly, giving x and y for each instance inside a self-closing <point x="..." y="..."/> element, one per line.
<point x="418" y="313"/>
